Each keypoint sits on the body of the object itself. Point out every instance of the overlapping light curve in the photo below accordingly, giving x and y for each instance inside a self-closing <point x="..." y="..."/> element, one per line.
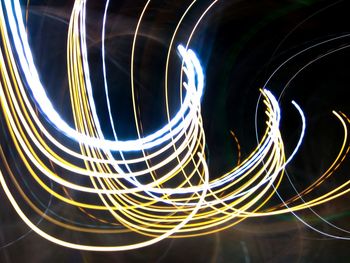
<point x="155" y="186"/>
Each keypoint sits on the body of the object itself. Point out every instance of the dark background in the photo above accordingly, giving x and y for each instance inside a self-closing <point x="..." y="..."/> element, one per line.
<point x="240" y="44"/>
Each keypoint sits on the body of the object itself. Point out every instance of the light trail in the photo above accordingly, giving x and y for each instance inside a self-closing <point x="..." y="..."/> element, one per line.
<point x="163" y="189"/>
